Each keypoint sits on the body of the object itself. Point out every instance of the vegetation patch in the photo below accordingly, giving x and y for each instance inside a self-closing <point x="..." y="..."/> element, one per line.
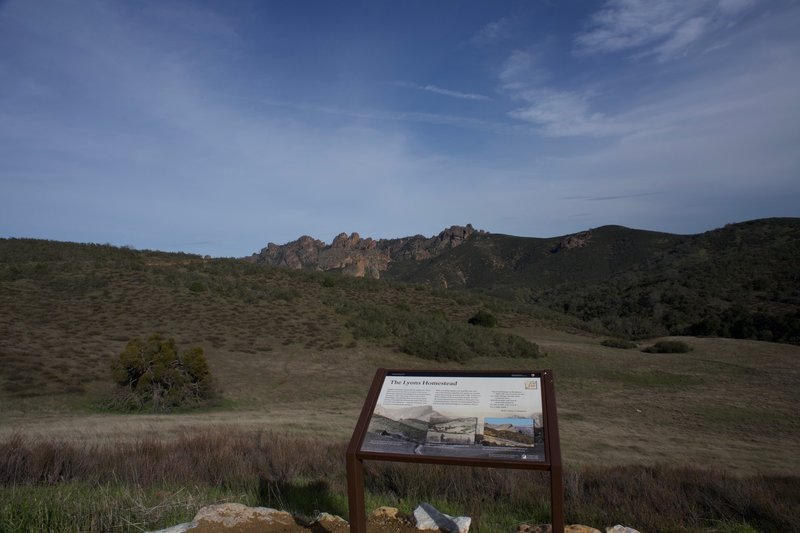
<point x="668" y="347"/>
<point x="668" y="380"/>
<point x="133" y="486"/>
<point x="151" y="375"/>
<point x="619" y="343"/>
<point x="432" y="336"/>
<point x="483" y="318"/>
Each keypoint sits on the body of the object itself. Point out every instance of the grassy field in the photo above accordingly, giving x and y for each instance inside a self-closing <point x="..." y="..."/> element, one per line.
<point x="727" y="404"/>
<point x="290" y="367"/>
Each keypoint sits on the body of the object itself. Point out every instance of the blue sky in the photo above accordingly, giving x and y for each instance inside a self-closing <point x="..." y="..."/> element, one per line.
<point x="215" y="127"/>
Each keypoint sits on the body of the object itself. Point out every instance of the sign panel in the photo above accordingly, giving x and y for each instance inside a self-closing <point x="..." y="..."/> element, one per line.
<point x="491" y="417"/>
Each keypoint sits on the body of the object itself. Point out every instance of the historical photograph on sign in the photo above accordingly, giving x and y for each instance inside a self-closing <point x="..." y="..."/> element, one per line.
<point x="491" y="417"/>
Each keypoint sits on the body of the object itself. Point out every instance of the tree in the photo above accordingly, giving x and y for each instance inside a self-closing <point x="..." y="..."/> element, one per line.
<point x="151" y="374"/>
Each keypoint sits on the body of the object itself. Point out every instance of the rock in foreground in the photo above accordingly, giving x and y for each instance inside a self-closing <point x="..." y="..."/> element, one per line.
<point x="238" y="518"/>
<point x="427" y="517"/>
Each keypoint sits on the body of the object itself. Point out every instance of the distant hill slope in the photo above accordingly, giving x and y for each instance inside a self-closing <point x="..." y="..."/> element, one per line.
<point x="490" y="261"/>
<point x="740" y="280"/>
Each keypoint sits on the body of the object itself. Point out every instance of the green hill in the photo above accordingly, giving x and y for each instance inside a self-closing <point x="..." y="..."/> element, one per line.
<point x="738" y="281"/>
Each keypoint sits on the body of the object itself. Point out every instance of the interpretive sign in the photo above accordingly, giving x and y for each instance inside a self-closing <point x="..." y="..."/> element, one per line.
<point x="487" y="419"/>
<point x="491" y="417"/>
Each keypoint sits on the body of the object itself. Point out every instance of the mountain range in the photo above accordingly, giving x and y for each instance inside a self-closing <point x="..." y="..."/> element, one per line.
<point x="741" y="280"/>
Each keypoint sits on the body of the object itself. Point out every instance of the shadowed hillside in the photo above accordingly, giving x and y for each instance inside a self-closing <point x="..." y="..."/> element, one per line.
<point x="739" y="281"/>
<point x="504" y="263"/>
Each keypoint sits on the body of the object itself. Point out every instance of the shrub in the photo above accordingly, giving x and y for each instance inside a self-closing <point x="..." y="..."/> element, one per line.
<point x="483" y="318"/>
<point x="196" y="286"/>
<point x="619" y="343"/>
<point x="151" y="374"/>
<point x="668" y="347"/>
<point x="432" y="336"/>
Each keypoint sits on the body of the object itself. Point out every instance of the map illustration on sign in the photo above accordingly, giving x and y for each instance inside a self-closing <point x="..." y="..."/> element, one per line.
<point x="491" y="417"/>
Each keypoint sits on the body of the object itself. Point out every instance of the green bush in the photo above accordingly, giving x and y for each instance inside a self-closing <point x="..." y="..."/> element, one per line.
<point x="432" y="336"/>
<point x="668" y="347"/>
<point x="483" y="318"/>
<point x="152" y="375"/>
<point x="619" y="343"/>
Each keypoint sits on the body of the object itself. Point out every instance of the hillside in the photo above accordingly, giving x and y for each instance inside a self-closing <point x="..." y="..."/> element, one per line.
<point x="738" y="281"/>
<point x="294" y="352"/>
<point x="66" y="308"/>
<point x="505" y="263"/>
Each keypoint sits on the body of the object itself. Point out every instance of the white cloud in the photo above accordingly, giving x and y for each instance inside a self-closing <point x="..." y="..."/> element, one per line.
<point x="562" y="113"/>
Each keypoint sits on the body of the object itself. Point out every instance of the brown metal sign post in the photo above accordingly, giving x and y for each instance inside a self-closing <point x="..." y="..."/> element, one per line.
<point x="496" y="419"/>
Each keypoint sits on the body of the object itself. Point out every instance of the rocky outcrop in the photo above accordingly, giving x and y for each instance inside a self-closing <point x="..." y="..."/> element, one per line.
<point x="350" y="254"/>
<point x="577" y="240"/>
<point x="302" y="253"/>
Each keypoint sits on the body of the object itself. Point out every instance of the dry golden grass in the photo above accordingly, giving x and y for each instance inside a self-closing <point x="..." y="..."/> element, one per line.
<point x="109" y="486"/>
<point x="727" y="404"/>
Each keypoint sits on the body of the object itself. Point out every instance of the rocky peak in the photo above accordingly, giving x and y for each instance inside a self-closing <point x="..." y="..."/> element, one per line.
<point x="343" y="241"/>
<point x="455" y="235"/>
<point x="361" y="257"/>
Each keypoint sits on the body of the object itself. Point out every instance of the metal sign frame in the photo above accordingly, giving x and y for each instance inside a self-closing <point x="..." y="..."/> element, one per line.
<point x="552" y="457"/>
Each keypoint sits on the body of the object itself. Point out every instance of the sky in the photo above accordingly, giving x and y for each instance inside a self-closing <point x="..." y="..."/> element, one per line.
<point x="215" y="127"/>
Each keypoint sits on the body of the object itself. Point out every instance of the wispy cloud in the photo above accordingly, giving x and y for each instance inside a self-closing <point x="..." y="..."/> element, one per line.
<point x="686" y="34"/>
<point x="492" y="32"/>
<point x="521" y="70"/>
<point x="563" y="113"/>
<point x="382" y="114"/>
<point x="625" y="24"/>
<point x="556" y="113"/>
<point x="731" y="7"/>
<point x="446" y="92"/>
<point x="663" y="28"/>
<point x="613" y="197"/>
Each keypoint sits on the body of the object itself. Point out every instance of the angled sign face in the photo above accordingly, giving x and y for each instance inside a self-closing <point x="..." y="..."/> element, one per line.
<point x="494" y="419"/>
<point x="467" y="416"/>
